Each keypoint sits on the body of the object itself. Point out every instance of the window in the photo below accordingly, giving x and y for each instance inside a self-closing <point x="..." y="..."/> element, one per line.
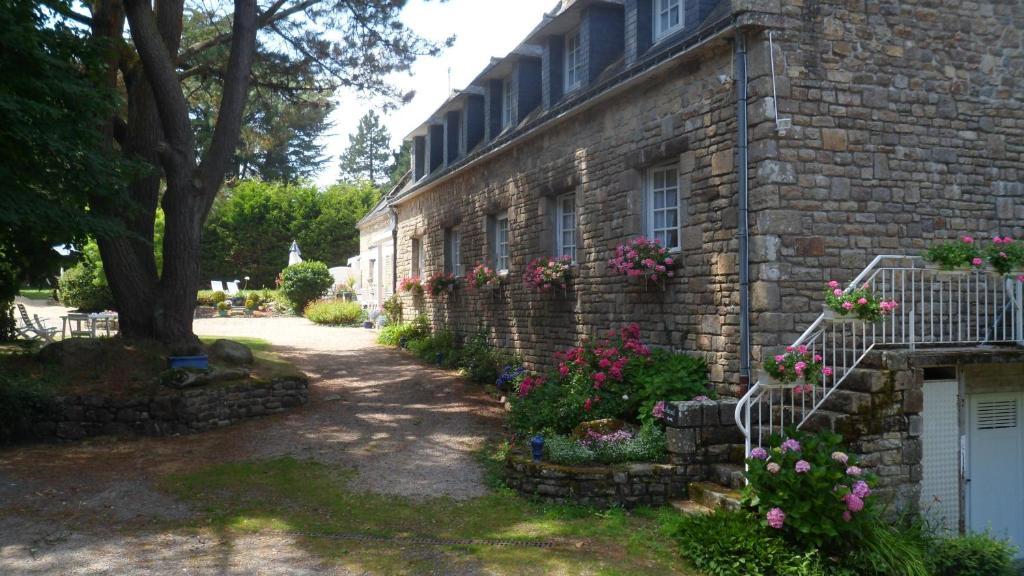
<point x="573" y="61"/>
<point x="507" y="100"/>
<point x="566" y="229"/>
<point x="452" y="256"/>
<point x="668" y="17"/>
<point x="501" y="243"/>
<point x="419" y="257"/>
<point x="663" y="205"/>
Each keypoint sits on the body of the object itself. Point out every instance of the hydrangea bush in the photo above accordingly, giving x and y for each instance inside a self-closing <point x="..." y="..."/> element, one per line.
<point x="858" y="302"/>
<point x="546" y="274"/>
<point x="482" y="276"/>
<point x="441" y="283"/>
<point x="810" y="490"/>
<point x="644" y="259"/>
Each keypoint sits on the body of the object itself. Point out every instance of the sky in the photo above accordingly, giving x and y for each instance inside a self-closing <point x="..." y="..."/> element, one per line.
<point x="482" y="29"/>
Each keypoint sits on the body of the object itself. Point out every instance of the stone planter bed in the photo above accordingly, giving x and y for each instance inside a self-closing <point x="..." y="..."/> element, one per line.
<point x="625" y="485"/>
<point x="167" y="412"/>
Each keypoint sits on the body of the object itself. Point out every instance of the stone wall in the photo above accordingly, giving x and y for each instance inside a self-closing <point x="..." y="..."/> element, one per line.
<point x="167" y="412"/>
<point x="625" y="485"/>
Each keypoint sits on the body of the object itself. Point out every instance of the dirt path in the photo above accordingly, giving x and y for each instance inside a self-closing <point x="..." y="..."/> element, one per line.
<point x="92" y="508"/>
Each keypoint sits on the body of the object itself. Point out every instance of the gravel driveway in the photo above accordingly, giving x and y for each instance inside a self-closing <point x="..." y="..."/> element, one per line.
<point x="91" y="508"/>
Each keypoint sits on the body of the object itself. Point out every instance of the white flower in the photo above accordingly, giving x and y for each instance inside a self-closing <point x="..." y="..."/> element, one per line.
<point x="625" y="397"/>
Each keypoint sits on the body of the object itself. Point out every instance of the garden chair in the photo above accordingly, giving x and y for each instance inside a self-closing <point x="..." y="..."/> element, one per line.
<point x="231" y="288"/>
<point x="34" y="329"/>
<point x="216" y="285"/>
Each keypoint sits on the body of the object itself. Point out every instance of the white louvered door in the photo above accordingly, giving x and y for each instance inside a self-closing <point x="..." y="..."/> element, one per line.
<point x="996" y="465"/>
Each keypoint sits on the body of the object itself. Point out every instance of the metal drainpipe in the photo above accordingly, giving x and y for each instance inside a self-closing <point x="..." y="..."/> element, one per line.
<point x="743" y="191"/>
<point x="394" y="250"/>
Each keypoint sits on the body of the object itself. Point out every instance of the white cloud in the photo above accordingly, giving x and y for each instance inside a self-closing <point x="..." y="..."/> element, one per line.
<point x="483" y="28"/>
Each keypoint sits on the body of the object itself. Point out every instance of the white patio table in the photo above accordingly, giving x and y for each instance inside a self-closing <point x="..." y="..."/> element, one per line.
<point x="74" y="321"/>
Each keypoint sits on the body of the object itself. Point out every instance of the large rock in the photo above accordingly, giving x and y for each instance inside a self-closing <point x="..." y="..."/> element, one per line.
<point x="231" y="352"/>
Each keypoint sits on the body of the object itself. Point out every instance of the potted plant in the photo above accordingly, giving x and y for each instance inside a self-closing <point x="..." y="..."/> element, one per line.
<point x="798" y="366"/>
<point x="222" y="308"/>
<point x="954" y="258"/>
<point x="855" y="303"/>
<point x="251" y="305"/>
<point x="644" y="259"/>
<point x="411" y="285"/>
<point x="1005" y="255"/>
<point x="441" y="283"/>
<point x="482" y="276"/>
<point x="547" y="274"/>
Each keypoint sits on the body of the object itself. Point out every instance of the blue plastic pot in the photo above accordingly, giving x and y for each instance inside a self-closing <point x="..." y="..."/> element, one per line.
<point x="537" y="448"/>
<point x="188" y="362"/>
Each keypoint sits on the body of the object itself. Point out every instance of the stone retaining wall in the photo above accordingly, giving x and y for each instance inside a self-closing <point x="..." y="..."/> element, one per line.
<point x="626" y="485"/>
<point x="166" y="412"/>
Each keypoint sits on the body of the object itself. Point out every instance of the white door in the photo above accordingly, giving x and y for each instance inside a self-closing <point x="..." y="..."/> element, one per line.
<point x="995" y="489"/>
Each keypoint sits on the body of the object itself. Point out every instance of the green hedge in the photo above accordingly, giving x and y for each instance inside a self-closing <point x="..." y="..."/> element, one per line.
<point x="305" y="282"/>
<point x="336" y="313"/>
<point x="82" y="287"/>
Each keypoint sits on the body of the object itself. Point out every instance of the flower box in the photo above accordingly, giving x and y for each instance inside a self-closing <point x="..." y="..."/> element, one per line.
<point x="200" y="362"/>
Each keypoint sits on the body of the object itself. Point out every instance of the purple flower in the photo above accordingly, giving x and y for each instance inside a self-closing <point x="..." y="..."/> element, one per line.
<point x="853" y="503"/>
<point x="854" y="471"/>
<point x="790" y="444"/>
<point x="701" y="398"/>
<point x="847" y="516"/>
<point x="776" y="518"/>
<point x="759" y="453"/>
<point x="840" y="457"/>
<point x="861" y="489"/>
<point x="658" y="412"/>
<point x="802" y="466"/>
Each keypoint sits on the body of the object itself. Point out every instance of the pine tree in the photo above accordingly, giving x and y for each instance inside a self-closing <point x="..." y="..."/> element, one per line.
<point x="400" y="163"/>
<point x="368" y="154"/>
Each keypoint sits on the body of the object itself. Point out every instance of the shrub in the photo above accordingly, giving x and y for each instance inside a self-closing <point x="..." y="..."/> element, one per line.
<point x="402" y="334"/>
<point x="883" y="550"/>
<point x="733" y="543"/>
<point x="392" y="308"/>
<point x="648" y="445"/>
<point x="511" y="375"/>
<point x="22" y="400"/>
<point x="809" y="490"/>
<point x="304" y="282"/>
<point x="81" y="287"/>
<point x="480" y="360"/>
<point x="538" y="407"/>
<point x="210" y="297"/>
<point x="439" y="348"/>
<point x="971" y="555"/>
<point x="334" y="313"/>
<point x="667" y="376"/>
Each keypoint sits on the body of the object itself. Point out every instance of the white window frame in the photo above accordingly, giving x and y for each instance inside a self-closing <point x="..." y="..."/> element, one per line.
<point x="561" y="230"/>
<point x="419" y="257"/>
<point x="506" y="102"/>
<point x="573" y="69"/>
<point x="501" y="243"/>
<point x="454" y="248"/>
<point x="665" y="8"/>
<point x="652" y="210"/>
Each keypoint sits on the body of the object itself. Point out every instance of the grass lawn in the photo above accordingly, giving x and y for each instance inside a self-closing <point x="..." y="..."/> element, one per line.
<point x="293" y="495"/>
<point x="36" y="293"/>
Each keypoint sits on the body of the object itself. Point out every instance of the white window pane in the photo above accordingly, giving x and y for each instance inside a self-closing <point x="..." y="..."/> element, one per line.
<point x="671" y="198"/>
<point x="672" y="218"/>
<point x="674" y="17"/>
<point x="671" y="178"/>
<point x="672" y="239"/>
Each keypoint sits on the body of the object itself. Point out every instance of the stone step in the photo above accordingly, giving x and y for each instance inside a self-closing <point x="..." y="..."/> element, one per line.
<point x="728" y="475"/>
<point x="712" y="495"/>
<point x="690" y="507"/>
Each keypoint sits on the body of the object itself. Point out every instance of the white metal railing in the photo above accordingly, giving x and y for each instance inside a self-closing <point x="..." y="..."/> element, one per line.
<point x="935" y="308"/>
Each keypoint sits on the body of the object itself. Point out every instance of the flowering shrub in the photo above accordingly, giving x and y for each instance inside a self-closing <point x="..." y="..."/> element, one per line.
<point x="441" y="283"/>
<point x="644" y="259"/>
<point x="482" y="276"/>
<point x="1005" y="255"/>
<point x="647" y="445"/>
<point x="796" y="363"/>
<point x="412" y="285"/>
<point x="859" y="302"/>
<point x="806" y="487"/>
<point x="962" y="253"/>
<point x="545" y="274"/>
<point x="510" y="377"/>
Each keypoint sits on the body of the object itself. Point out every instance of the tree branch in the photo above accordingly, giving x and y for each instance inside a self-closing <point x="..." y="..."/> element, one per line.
<point x="268" y="17"/>
<point x="232" y="104"/>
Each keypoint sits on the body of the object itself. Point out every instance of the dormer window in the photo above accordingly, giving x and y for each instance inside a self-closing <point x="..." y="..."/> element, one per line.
<point x="668" y="17"/>
<point x="506" y="100"/>
<point x="573" y="61"/>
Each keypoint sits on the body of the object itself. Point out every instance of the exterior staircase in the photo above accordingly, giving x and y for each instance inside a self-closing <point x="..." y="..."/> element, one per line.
<point x="937" y="309"/>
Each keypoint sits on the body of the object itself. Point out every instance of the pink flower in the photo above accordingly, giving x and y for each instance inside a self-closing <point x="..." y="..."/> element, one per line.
<point x="1007" y="240"/>
<point x="853" y="503"/>
<point x="605" y="363"/>
<point x="861" y="489"/>
<point x="563" y="370"/>
<point x="826" y="371"/>
<point x="759" y="453"/>
<point x="837" y="292"/>
<point x="847" y="305"/>
<point x="790" y="444"/>
<point x="801" y="349"/>
<point x="847" y="516"/>
<point x="968" y="240"/>
<point x="658" y="412"/>
<point x="1020" y="278"/>
<point x="802" y="467"/>
<point x="599" y="378"/>
<point x="997" y="240"/>
<point x="774" y="467"/>
<point x="833" y="284"/>
<point x="776" y="518"/>
<point x="1003" y="255"/>
<point x="840" y="457"/>
<point x="817" y="358"/>
<point x="669" y="261"/>
<point x="862" y="301"/>
<point x="779" y="358"/>
<point x="854" y="471"/>
<point x="977" y="262"/>
<point x="700" y="398"/>
<point x="588" y="405"/>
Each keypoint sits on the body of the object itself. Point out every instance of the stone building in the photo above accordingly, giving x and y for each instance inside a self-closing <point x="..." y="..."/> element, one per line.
<point x="772" y="146"/>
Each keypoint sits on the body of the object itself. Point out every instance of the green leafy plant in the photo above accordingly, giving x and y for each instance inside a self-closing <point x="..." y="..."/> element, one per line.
<point x="223" y="306"/>
<point x="647" y="445"/>
<point x="809" y="489"/>
<point x="438" y="348"/>
<point x="961" y="253"/>
<point x="539" y="408"/>
<point x="334" y="313"/>
<point x="1005" y="255"/>
<point x="84" y="288"/>
<point x="402" y="334"/>
<point x="22" y="401"/>
<point x="210" y="297"/>
<point x="859" y="302"/>
<point x="972" y="555"/>
<point x="304" y="282"/>
<point x="392" y="308"/>
<point x="667" y="376"/>
<point x="797" y="362"/>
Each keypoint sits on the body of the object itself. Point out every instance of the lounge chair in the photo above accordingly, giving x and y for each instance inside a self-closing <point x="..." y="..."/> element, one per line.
<point x="231" y="288"/>
<point x="34" y="330"/>
<point x="216" y="286"/>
